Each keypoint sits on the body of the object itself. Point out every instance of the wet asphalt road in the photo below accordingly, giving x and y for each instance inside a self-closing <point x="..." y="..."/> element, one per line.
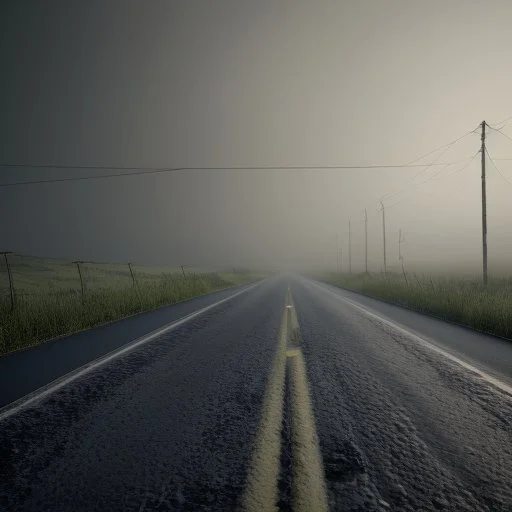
<point x="27" y="370"/>
<point x="171" y="424"/>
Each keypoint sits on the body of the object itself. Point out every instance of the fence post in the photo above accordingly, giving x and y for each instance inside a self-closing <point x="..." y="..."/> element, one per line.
<point x="81" y="278"/>
<point x="132" y="274"/>
<point x="135" y="285"/>
<point x="11" y="283"/>
<point x="403" y="272"/>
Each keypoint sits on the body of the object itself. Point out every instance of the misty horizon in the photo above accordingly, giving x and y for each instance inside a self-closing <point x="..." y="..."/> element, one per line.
<point x="192" y="84"/>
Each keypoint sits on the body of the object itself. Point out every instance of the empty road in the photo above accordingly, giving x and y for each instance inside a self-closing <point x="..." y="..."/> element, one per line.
<point x="284" y="395"/>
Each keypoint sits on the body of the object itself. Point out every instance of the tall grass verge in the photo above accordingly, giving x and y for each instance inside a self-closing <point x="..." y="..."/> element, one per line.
<point x="38" y="318"/>
<point x="463" y="301"/>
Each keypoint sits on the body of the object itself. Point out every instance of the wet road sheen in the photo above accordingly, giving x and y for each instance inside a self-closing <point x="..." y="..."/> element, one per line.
<point x="171" y="424"/>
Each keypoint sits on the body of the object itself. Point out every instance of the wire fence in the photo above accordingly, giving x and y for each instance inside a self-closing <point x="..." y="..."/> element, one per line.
<point x="24" y="277"/>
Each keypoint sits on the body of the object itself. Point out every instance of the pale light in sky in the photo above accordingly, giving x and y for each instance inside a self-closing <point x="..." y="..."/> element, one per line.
<point x="244" y="83"/>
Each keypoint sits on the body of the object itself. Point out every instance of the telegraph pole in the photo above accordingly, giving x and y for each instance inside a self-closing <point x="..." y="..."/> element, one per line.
<point x="384" y="235"/>
<point x="338" y="268"/>
<point x="349" y="248"/>
<point x="401" y="240"/>
<point x="484" y="209"/>
<point x="366" y="241"/>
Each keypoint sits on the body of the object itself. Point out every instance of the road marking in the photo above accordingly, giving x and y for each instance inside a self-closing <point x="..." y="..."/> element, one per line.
<point x="261" y="491"/>
<point x="308" y="486"/>
<point x="59" y="383"/>
<point x="422" y="341"/>
<point x="308" y="473"/>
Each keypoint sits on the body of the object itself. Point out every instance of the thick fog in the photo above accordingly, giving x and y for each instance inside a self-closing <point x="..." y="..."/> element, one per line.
<point x="229" y="83"/>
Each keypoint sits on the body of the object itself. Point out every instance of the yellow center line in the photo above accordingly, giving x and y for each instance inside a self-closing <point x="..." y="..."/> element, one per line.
<point x="261" y="493"/>
<point x="308" y="491"/>
<point x="308" y="484"/>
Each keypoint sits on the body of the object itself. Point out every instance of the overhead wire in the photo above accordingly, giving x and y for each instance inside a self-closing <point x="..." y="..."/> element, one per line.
<point x="138" y="171"/>
<point x="500" y="132"/>
<point x="427" y="166"/>
<point x="153" y="170"/>
<point x="508" y="180"/>
<point x="464" y="167"/>
<point x="461" y="169"/>
<point x="82" y="178"/>
<point x="503" y="122"/>
<point x="445" y="147"/>
<point x="143" y="170"/>
<point x="410" y="182"/>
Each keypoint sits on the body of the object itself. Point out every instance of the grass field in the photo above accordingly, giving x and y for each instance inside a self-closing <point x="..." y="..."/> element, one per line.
<point x="49" y="301"/>
<point x="464" y="301"/>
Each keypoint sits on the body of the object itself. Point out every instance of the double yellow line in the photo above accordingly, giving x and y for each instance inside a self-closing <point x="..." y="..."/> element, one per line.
<point x="308" y="486"/>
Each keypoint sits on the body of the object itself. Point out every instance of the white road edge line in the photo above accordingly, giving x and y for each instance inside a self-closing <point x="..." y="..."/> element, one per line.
<point x="48" y="389"/>
<point x="423" y="341"/>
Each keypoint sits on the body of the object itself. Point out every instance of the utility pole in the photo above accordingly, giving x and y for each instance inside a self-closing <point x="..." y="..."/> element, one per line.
<point x="484" y="209"/>
<point x="384" y="235"/>
<point x="337" y="251"/>
<point x="401" y="240"/>
<point x="349" y="248"/>
<point x="338" y="254"/>
<point x="366" y="241"/>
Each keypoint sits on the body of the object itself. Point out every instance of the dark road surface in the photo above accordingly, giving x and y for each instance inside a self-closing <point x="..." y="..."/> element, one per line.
<point x="26" y="370"/>
<point x="418" y="420"/>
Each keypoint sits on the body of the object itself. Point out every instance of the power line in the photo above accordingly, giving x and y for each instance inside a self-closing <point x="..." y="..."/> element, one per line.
<point x="444" y="146"/>
<point x="388" y="195"/>
<point x="149" y="170"/>
<point x="427" y="165"/>
<point x="497" y="168"/>
<point x="504" y="121"/>
<point x="432" y="176"/>
<point x="81" y="178"/>
<point x="88" y="167"/>
<point x="138" y="171"/>
<point x="499" y="131"/>
<point x="410" y="182"/>
<point x="437" y="174"/>
<point x="464" y="167"/>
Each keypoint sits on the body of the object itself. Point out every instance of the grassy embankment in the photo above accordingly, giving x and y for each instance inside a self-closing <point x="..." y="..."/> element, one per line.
<point x="463" y="301"/>
<point x="49" y="302"/>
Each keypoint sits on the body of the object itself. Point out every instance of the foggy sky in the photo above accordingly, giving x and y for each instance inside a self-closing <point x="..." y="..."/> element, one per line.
<point x="245" y="83"/>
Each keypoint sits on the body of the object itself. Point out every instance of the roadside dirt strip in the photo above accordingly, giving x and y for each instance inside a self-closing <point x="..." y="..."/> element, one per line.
<point x="287" y="390"/>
